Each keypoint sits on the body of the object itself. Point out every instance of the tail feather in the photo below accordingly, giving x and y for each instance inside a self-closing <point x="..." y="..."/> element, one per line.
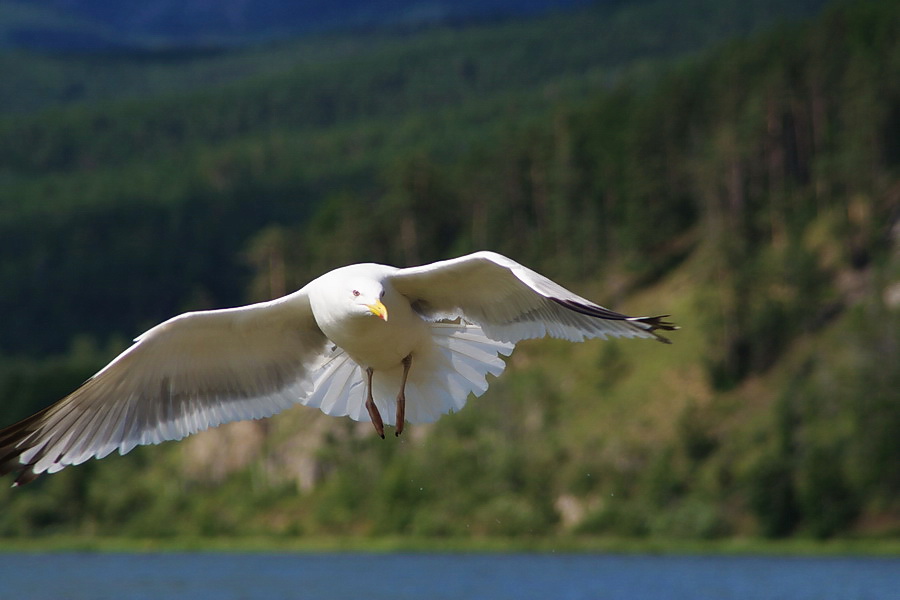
<point x="460" y="359"/>
<point x="337" y="383"/>
<point x="443" y="375"/>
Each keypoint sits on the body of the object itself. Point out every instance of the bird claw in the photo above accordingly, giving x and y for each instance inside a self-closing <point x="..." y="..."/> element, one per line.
<point x="377" y="421"/>
<point x="401" y="397"/>
<point x="401" y="413"/>
<point x="370" y="406"/>
<point x="376" y="418"/>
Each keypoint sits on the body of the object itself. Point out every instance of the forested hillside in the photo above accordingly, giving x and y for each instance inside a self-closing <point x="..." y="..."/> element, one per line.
<point x="593" y="43"/>
<point x="93" y="25"/>
<point x="208" y="169"/>
<point x="753" y="191"/>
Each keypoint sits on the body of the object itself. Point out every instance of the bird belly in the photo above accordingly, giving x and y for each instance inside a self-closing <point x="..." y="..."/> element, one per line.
<point x="381" y="345"/>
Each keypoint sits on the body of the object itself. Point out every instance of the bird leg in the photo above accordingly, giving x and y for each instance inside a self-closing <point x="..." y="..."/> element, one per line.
<point x="370" y="405"/>
<point x="401" y="397"/>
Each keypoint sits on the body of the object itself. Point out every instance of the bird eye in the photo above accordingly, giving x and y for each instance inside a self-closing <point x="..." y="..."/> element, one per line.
<point x="355" y="293"/>
<point x="381" y="295"/>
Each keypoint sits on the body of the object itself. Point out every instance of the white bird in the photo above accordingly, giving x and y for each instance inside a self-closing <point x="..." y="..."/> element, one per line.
<point x="357" y="341"/>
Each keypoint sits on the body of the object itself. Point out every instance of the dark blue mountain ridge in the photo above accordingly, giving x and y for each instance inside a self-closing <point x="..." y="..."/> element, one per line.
<point x="101" y="24"/>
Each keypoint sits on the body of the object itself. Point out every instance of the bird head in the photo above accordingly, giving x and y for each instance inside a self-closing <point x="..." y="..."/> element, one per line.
<point x="367" y="295"/>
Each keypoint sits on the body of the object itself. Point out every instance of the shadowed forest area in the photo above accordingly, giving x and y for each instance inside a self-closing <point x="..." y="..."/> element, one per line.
<point x="741" y="174"/>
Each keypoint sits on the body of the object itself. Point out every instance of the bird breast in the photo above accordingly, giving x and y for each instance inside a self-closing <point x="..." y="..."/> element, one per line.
<point x="373" y="342"/>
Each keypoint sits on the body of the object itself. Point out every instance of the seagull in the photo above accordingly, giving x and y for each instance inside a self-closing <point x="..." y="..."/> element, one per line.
<point x="369" y="341"/>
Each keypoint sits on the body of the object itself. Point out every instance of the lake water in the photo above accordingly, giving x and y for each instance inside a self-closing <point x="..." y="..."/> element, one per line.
<point x="232" y="576"/>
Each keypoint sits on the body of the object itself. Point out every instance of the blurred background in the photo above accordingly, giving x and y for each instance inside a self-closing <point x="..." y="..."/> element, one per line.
<point x="733" y="163"/>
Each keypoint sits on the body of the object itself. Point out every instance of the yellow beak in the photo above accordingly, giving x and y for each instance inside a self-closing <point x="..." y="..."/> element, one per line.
<point x="379" y="310"/>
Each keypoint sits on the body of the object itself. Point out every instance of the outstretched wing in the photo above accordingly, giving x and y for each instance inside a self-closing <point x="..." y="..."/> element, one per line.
<point x="511" y="302"/>
<point x="187" y="374"/>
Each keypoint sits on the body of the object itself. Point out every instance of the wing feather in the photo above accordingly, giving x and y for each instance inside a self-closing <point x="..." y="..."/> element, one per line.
<point x="187" y="374"/>
<point x="511" y="302"/>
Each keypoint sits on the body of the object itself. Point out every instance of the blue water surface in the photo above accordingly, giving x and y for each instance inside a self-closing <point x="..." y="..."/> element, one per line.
<point x="227" y="576"/>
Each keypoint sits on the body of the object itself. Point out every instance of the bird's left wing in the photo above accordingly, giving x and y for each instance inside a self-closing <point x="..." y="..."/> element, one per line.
<point x="511" y="302"/>
<point x="187" y="374"/>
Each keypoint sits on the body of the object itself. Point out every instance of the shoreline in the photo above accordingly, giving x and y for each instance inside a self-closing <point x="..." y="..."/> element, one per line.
<point x="563" y="545"/>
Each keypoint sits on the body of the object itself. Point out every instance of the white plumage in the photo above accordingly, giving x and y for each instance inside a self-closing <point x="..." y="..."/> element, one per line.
<point x="445" y="324"/>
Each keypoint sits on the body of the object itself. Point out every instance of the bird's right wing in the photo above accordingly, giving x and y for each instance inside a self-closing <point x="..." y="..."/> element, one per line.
<point x="187" y="374"/>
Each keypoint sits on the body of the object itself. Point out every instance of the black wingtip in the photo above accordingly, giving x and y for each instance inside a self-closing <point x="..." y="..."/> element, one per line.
<point x="13" y="444"/>
<point x="648" y="324"/>
<point x="23" y="472"/>
<point x="26" y="476"/>
<point x="657" y="322"/>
